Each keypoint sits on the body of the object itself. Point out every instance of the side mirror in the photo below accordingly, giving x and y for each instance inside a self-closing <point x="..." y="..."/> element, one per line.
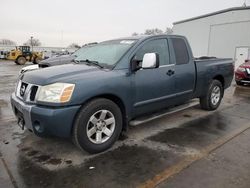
<point x="150" y="61"/>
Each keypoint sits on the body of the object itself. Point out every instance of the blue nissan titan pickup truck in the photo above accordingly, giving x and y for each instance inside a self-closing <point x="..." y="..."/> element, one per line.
<point x="114" y="82"/>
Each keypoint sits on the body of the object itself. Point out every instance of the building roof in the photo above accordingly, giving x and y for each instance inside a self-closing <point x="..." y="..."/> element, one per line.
<point x="212" y="14"/>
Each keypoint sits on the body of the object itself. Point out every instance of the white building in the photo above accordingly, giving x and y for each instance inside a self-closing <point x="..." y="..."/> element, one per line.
<point x="224" y="33"/>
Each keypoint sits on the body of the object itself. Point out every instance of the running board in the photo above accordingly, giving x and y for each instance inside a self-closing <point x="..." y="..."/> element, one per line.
<point x="163" y="113"/>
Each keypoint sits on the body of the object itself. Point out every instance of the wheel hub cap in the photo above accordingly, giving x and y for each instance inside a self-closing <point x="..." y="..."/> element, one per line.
<point x="101" y="126"/>
<point x="215" y="95"/>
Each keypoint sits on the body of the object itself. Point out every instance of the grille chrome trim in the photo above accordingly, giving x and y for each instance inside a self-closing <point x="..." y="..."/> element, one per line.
<point x="27" y="95"/>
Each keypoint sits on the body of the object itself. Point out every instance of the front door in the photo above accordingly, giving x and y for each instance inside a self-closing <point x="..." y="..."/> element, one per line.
<point x="154" y="88"/>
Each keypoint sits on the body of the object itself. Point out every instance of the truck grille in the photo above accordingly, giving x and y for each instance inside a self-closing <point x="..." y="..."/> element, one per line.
<point x="26" y="92"/>
<point x="33" y="93"/>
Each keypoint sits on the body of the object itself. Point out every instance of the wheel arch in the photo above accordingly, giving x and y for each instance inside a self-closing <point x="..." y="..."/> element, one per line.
<point x="20" y="56"/>
<point x="221" y="79"/>
<point x="114" y="98"/>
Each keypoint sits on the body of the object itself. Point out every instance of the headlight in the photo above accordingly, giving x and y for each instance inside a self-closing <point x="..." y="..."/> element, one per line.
<point x="241" y="69"/>
<point x="56" y="93"/>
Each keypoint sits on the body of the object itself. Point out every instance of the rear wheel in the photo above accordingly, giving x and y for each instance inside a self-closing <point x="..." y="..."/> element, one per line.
<point x="97" y="126"/>
<point x="213" y="97"/>
<point x="21" y="60"/>
<point x="37" y="60"/>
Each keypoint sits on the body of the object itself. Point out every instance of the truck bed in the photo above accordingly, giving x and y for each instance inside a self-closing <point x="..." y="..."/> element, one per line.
<point x="209" y="68"/>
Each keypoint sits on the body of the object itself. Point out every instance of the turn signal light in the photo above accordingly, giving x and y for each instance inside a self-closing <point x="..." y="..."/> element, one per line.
<point x="66" y="94"/>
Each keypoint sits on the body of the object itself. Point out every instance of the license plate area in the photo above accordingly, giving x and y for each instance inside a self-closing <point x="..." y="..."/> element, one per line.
<point x="20" y="119"/>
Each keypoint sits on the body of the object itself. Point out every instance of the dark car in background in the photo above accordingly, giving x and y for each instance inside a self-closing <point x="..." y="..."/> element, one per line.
<point x="64" y="59"/>
<point x="57" y="60"/>
<point x="242" y="73"/>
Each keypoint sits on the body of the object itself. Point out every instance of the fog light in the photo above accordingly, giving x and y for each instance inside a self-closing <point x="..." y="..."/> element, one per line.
<point x="38" y="127"/>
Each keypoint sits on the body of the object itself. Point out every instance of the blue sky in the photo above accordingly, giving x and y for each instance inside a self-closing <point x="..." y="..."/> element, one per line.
<point x="61" y="22"/>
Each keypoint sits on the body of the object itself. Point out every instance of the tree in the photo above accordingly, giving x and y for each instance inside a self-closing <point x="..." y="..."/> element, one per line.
<point x="74" y="45"/>
<point x="7" y="42"/>
<point x="155" y="31"/>
<point x="33" y="42"/>
<point x="169" y="31"/>
<point x="135" y="34"/>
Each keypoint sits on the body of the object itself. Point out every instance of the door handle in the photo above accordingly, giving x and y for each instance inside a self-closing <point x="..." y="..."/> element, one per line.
<point x="170" y="72"/>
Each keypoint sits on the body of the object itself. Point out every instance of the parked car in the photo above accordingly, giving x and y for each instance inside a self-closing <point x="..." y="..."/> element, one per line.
<point x="53" y="61"/>
<point x="114" y="83"/>
<point x="242" y="73"/>
<point x="3" y="54"/>
<point x="56" y="60"/>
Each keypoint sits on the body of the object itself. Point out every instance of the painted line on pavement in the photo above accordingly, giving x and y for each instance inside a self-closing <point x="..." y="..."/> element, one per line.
<point x="12" y="179"/>
<point x="175" y="169"/>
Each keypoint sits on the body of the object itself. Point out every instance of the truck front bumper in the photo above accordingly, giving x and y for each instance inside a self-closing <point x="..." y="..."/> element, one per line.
<point x="44" y="121"/>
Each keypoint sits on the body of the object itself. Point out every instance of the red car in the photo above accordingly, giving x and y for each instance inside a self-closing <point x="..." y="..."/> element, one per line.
<point x="242" y="74"/>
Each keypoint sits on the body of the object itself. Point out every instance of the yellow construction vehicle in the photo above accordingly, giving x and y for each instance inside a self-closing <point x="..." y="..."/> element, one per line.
<point x="22" y="54"/>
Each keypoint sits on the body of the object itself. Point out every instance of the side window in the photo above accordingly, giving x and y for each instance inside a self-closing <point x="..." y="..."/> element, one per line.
<point x="180" y="50"/>
<point x="159" y="46"/>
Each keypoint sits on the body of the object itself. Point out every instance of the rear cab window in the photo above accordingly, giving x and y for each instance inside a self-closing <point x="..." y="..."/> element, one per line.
<point x="180" y="51"/>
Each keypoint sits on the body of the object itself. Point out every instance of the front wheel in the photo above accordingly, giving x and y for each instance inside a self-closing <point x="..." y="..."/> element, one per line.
<point x="97" y="126"/>
<point x="20" y="60"/>
<point x="213" y="97"/>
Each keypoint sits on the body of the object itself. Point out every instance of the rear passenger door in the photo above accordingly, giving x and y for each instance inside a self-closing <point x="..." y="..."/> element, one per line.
<point x="154" y="88"/>
<point x="185" y="73"/>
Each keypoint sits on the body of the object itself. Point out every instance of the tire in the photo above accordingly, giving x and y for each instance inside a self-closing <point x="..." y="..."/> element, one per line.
<point x="89" y="120"/>
<point x="37" y="60"/>
<point x="239" y="83"/>
<point x="213" y="97"/>
<point x="21" y="60"/>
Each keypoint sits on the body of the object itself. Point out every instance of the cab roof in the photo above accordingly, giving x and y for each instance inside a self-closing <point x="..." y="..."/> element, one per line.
<point x="143" y="37"/>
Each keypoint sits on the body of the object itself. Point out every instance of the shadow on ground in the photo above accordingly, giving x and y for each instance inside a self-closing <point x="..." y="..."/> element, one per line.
<point x="125" y="166"/>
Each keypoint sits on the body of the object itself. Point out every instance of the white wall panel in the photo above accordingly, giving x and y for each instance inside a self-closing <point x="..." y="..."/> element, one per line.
<point x="226" y="37"/>
<point x="231" y="27"/>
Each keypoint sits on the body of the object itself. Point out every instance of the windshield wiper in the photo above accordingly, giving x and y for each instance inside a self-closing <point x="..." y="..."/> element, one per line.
<point x="91" y="62"/>
<point x="75" y="61"/>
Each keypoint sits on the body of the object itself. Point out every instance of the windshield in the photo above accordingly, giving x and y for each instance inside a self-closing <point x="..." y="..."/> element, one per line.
<point x="106" y="53"/>
<point x="79" y="51"/>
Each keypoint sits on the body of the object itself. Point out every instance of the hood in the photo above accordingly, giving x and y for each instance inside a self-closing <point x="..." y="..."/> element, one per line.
<point x="59" y="60"/>
<point x="70" y="73"/>
<point x="28" y="68"/>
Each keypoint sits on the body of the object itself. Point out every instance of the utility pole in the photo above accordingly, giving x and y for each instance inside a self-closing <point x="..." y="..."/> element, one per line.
<point x="245" y="3"/>
<point x="31" y="41"/>
<point x="62" y="38"/>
